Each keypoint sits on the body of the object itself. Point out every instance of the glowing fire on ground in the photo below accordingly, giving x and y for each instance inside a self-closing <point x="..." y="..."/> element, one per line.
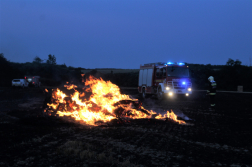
<point x="105" y="103"/>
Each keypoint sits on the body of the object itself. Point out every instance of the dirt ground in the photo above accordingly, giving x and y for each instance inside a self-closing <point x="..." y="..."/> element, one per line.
<point x="28" y="137"/>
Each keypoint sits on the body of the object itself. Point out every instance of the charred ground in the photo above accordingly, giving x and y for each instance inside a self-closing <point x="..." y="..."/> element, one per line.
<point x="220" y="138"/>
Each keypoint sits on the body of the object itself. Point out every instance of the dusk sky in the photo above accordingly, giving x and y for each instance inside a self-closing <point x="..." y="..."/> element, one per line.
<point x="126" y="33"/>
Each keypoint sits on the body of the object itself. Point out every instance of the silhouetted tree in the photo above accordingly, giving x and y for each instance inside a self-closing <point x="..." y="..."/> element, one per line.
<point x="230" y="62"/>
<point x="4" y="64"/>
<point x="6" y="71"/>
<point x="237" y="62"/>
<point x="63" y="65"/>
<point x="3" y="60"/>
<point x="37" y="60"/>
<point x="51" y="59"/>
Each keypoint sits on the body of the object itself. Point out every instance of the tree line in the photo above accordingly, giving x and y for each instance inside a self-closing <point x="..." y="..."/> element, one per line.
<point x="51" y="73"/>
<point x="227" y="76"/>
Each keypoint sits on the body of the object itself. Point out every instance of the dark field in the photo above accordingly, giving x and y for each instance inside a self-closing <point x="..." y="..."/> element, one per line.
<point x="212" y="138"/>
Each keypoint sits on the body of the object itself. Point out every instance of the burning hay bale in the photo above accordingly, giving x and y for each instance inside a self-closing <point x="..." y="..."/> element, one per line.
<point x="105" y="104"/>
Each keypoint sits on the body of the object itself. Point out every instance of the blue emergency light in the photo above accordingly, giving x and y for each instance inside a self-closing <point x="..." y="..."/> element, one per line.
<point x="169" y="62"/>
<point x="181" y="64"/>
<point x="183" y="82"/>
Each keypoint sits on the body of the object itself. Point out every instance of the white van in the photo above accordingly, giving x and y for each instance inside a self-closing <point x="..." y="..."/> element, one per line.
<point x="19" y="83"/>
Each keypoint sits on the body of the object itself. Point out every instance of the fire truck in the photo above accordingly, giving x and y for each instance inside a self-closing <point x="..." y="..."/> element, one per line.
<point x="164" y="79"/>
<point x="33" y="81"/>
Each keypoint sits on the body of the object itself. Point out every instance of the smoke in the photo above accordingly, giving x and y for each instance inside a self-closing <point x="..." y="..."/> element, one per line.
<point x="153" y="104"/>
<point x="180" y="114"/>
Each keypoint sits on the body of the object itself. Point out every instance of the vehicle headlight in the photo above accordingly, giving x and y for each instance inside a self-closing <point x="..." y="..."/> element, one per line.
<point x="189" y="89"/>
<point x="170" y="93"/>
<point x="167" y="88"/>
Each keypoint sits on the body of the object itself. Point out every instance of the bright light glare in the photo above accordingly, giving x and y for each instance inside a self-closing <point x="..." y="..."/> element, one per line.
<point x="184" y="83"/>
<point x="187" y="94"/>
<point x="167" y="88"/>
<point x="189" y="89"/>
<point x="181" y="64"/>
<point x="170" y="93"/>
<point x="169" y="62"/>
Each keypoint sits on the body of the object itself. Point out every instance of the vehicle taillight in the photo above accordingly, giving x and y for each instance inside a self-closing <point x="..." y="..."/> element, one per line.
<point x="33" y="82"/>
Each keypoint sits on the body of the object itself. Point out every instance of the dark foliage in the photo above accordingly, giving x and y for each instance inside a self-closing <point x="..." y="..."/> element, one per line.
<point x="37" y="60"/>
<point x="51" y="74"/>
<point x="124" y="79"/>
<point x="228" y="76"/>
<point x="7" y="72"/>
<point x="51" y="59"/>
<point x="231" y="76"/>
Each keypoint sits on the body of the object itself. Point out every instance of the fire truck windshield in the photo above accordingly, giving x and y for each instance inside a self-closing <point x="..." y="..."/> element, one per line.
<point x="177" y="72"/>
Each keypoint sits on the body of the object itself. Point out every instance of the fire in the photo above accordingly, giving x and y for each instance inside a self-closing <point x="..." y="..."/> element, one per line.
<point x="72" y="86"/>
<point x="104" y="104"/>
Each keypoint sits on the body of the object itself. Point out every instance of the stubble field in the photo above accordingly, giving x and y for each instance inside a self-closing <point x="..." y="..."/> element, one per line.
<point x="28" y="137"/>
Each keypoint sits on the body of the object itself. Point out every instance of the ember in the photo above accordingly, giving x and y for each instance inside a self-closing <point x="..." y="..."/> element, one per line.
<point x="104" y="104"/>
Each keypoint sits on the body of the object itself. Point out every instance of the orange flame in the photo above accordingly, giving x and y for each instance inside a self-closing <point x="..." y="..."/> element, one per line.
<point x="101" y="104"/>
<point x="72" y="86"/>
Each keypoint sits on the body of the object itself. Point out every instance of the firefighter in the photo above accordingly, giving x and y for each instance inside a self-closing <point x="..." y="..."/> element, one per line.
<point x="212" y="91"/>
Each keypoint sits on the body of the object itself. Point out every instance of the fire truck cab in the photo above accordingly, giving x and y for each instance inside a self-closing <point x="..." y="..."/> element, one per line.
<point x="164" y="79"/>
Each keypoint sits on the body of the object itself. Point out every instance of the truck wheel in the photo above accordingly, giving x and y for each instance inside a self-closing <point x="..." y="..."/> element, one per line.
<point x="160" y="94"/>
